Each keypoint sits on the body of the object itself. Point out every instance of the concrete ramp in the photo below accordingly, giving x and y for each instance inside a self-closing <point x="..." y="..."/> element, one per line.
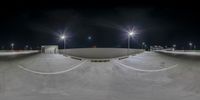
<point x="13" y="53"/>
<point x="10" y="54"/>
<point x="100" y="53"/>
<point x="180" y="53"/>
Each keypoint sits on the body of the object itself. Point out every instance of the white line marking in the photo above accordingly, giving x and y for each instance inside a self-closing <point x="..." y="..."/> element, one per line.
<point x="60" y="72"/>
<point x="142" y="70"/>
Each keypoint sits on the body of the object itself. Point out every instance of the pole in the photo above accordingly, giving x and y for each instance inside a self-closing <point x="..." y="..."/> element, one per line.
<point x="64" y="44"/>
<point x="128" y="45"/>
<point x="12" y="47"/>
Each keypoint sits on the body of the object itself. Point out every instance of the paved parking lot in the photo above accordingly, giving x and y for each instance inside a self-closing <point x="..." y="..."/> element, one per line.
<point x="139" y="77"/>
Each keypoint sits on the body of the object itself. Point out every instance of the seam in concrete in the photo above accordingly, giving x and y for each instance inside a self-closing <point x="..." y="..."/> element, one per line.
<point x="60" y="72"/>
<point x="142" y="70"/>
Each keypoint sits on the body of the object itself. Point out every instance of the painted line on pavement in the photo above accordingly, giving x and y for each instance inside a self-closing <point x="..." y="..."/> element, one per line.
<point x="142" y="70"/>
<point x="60" y="72"/>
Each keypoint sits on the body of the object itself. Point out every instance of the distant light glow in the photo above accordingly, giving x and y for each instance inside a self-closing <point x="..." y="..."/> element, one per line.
<point x="62" y="37"/>
<point x="174" y="45"/>
<point x="131" y="33"/>
<point x="190" y="44"/>
<point x="89" y="37"/>
<point x="12" y="44"/>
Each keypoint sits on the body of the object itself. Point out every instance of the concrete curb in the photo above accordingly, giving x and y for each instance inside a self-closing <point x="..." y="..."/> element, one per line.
<point x="180" y="54"/>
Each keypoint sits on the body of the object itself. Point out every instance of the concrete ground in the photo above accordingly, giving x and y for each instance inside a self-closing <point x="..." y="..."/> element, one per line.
<point x="145" y="76"/>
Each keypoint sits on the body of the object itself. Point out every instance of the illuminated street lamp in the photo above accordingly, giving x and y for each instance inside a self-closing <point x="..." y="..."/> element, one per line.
<point x="63" y="37"/>
<point x="26" y="47"/>
<point x="190" y="44"/>
<point x="174" y="47"/>
<point x="195" y="47"/>
<point x="130" y="34"/>
<point x="12" y="46"/>
<point x="143" y="45"/>
<point x="89" y="37"/>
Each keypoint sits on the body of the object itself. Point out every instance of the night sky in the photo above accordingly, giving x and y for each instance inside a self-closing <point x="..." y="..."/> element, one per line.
<point x="106" y="23"/>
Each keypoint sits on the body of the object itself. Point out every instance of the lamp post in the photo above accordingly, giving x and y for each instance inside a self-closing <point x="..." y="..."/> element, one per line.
<point x="26" y="47"/>
<point x="190" y="44"/>
<point x="195" y="47"/>
<point x="12" y="46"/>
<point x="130" y="34"/>
<point x="89" y="37"/>
<point x="63" y="38"/>
<point x="143" y="45"/>
<point x="174" y="46"/>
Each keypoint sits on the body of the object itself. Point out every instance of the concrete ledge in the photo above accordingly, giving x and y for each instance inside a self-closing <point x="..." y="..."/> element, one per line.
<point x="124" y="57"/>
<point x="100" y="53"/>
<point x="100" y="60"/>
<point x="77" y="58"/>
<point x="11" y="53"/>
<point x="5" y="55"/>
<point x="189" y="54"/>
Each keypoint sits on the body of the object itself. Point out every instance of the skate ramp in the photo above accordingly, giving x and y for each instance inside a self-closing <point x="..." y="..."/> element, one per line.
<point x="100" y="53"/>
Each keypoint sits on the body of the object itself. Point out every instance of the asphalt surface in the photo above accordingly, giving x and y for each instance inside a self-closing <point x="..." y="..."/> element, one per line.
<point x="145" y="76"/>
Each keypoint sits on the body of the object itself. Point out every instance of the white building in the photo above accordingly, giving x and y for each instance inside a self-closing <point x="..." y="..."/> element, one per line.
<point x="49" y="49"/>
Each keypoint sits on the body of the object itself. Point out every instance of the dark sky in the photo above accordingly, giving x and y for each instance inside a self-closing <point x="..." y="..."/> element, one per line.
<point x="40" y="23"/>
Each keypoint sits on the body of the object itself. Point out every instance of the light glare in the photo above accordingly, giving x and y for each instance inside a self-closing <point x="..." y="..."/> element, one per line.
<point x="130" y="33"/>
<point x="62" y="37"/>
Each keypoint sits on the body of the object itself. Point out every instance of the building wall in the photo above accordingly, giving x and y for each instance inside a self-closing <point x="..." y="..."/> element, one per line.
<point x="49" y="49"/>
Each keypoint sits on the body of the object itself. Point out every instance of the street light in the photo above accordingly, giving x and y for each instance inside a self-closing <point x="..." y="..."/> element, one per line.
<point x="26" y="47"/>
<point x="174" y="46"/>
<point x="130" y="34"/>
<point x="12" y="46"/>
<point x="89" y="37"/>
<point x="143" y="45"/>
<point x="195" y="47"/>
<point x="63" y="37"/>
<point x="190" y="44"/>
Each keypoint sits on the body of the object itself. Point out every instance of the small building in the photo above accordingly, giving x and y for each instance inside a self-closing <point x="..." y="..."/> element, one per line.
<point x="49" y="49"/>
